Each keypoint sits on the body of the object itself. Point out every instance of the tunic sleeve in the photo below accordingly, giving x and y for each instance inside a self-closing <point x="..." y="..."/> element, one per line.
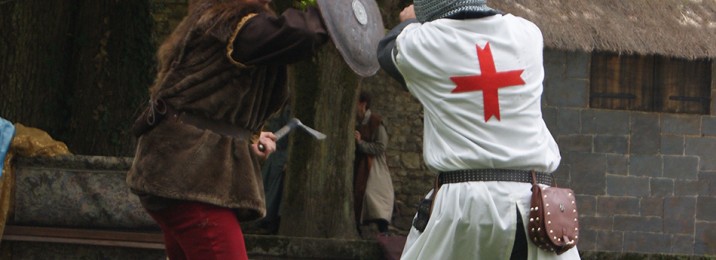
<point x="266" y="39"/>
<point x="386" y="51"/>
<point x="377" y="146"/>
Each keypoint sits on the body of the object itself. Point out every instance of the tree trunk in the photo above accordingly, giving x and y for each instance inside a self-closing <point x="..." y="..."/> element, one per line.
<point x="33" y="46"/>
<point x="113" y="68"/>
<point x="318" y="199"/>
<point x="76" y="69"/>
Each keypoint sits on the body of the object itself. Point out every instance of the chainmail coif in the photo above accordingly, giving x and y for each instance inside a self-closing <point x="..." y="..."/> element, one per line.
<point x="429" y="10"/>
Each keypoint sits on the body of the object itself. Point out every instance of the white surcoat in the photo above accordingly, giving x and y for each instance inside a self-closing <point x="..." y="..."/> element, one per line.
<point x="480" y="84"/>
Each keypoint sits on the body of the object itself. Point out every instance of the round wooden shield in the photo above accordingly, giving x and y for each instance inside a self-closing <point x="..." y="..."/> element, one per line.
<point x="355" y="27"/>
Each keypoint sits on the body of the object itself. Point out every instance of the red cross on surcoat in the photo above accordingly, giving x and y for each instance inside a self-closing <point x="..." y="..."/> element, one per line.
<point x="489" y="82"/>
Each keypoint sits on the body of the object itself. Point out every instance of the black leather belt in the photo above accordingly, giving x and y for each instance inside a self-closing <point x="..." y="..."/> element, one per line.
<point x="493" y="175"/>
<point x="158" y="110"/>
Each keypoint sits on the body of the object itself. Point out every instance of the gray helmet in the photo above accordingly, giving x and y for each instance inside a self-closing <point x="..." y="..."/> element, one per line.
<point x="428" y="10"/>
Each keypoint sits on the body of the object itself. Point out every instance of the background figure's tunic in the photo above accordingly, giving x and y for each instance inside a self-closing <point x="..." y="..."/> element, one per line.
<point x="375" y="194"/>
<point x="180" y="161"/>
<point x="477" y="220"/>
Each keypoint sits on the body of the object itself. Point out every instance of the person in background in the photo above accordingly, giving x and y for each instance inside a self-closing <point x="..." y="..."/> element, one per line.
<point x="273" y="171"/>
<point x="372" y="185"/>
<point x="478" y="74"/>
<point x="221" y="74"/>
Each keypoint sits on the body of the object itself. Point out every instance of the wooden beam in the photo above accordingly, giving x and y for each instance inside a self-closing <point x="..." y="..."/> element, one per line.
<point x="148" y="240"/>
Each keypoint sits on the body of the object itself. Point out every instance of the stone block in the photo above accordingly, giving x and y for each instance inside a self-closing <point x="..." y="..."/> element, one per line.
<point x="645" y="165"/>
<point x="627" y="186"/>
<point x="586" y="205"/>
<point x="638" y="224"/>
<point x="661" y="187"/>
<point x="588" y="240"/>
<point x="578" y="64"/>
<point x="705" y="238"/>
<point x="706" y="209"/>
<point x="549" y="114"/>
<point x="679" y="214"/>
<point x="709" y="179"/>
<point x="611" y="144"/>
<point x="672" y="144"/>
<point x="575" y="143"/>
<point x="567" y="93"/>
<point x="411" y="160"/>
<point x="682" y="244"/>
<point x="77" y="192"/>
<point x="596" y="223"/>
<point x="651" y="207"/>
<point x="568" y="121"/>
<point x="645" y="133"/>
<point x="681" y="167"/>
<point x="605" y="122"/>
<point x="643" y="242"/>
<point x="708" y="125"/>
<point x="691" y="188"/>
<point x="681" y="124"/>
<point x="562" y="175"/>
<point x="554" y="56"/>
<point x="610" y="240"/>
<point x="617" y="164"/>
<point x="610" y="206"/>
<point x="705" y="148"/>
<point x="554" y="64"/>
<point x="587" y="173"/>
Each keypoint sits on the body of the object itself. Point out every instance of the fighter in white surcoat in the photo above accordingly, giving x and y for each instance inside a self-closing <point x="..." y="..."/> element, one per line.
<point x="478" y="74"/>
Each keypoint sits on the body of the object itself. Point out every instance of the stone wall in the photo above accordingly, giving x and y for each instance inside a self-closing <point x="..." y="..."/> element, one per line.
<point x="646" y="181"/>
<point x="76" y="192"/>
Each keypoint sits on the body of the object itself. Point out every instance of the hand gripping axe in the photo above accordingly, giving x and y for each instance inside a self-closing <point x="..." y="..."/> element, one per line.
<point x="292" y="124"/>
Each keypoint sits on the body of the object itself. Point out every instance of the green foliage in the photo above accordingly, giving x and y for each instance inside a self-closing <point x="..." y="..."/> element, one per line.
<point x="305" y="4"/>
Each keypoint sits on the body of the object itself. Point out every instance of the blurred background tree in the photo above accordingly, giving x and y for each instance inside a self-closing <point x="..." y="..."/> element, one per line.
<point x="77" y="69"/>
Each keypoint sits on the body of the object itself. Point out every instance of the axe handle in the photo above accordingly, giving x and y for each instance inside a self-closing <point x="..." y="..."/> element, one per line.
<point x="281" y="133"/>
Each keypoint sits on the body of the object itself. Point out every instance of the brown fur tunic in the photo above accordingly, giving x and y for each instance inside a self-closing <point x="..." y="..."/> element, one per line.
<point x="216" y="65"/>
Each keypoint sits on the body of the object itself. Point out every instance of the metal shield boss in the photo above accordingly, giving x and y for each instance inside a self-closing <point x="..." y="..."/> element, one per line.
<point x="355" y="27"/>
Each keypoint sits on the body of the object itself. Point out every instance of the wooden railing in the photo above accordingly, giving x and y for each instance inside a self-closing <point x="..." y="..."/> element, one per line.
<point x="147" y="240"/>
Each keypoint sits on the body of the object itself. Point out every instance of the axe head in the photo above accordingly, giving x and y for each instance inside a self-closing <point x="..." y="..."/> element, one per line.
<point x="311" y="131"/>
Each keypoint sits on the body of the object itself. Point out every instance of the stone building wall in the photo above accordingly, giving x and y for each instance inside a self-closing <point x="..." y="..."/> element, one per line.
<point x="646" y="181"/>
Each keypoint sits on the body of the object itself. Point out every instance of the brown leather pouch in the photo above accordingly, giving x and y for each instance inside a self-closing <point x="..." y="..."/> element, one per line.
<point x="553" y="220"/>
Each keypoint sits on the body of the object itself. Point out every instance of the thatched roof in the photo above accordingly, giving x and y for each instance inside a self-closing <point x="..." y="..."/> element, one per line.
<point x="677" y="28"/>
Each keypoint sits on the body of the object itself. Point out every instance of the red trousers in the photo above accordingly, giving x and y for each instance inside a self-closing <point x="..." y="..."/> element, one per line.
<point x="199" y="231"/>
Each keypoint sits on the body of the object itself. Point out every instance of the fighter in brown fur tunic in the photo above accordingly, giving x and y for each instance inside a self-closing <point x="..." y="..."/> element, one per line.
<point x="221" y="74"/>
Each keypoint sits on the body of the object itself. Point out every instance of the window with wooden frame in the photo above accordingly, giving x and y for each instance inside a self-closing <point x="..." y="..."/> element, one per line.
<point x="650" y="83"/>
